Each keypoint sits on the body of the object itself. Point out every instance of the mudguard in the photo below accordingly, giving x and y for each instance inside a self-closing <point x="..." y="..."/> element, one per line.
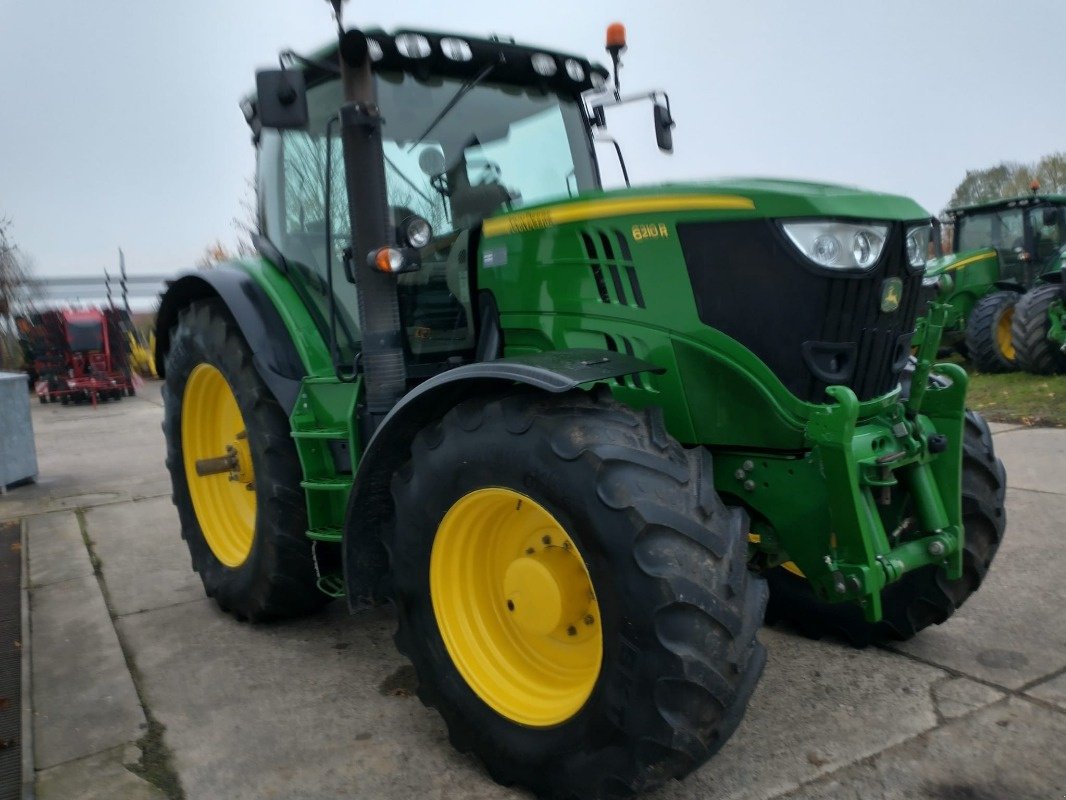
<point x="370" y="502"/>
<point x="273" y="353"/>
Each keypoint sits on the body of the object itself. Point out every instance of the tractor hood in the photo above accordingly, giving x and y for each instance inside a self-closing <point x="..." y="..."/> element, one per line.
<point x="751" y="197"/>
<point x="955" y="261"/>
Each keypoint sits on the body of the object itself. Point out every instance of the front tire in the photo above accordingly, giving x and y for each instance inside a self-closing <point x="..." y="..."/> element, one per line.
<point x="988" y="333"/>
<point x="923" y="597"/>
<point x="665" y="597"/>
<point x="246" y="530"/>
<point x="1032" y="323"/>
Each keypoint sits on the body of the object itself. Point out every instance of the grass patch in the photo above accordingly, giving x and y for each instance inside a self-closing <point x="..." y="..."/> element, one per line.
<point x="1035" y="400"/>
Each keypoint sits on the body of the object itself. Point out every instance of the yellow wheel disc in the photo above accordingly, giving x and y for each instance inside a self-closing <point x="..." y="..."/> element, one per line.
<point x="515" y="606"/>
<point x="212" y="427"/>
<point x="1003" y="337"/>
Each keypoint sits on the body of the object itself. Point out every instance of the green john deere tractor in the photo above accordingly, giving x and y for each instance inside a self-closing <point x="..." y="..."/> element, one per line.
<point x="575" y="436"/>
<point x="1038" y="330"/>
<point x="1002" y="249"/>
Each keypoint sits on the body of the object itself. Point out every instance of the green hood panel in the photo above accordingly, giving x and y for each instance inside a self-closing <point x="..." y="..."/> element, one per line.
<point x="738" y="198"/>
<point x="955" y="261"/>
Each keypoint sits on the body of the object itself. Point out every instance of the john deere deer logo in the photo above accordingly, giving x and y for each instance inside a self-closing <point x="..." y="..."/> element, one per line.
<point x="891" y="294"/>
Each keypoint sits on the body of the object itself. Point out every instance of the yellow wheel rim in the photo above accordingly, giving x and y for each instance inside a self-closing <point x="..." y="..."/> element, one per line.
<point x="212" y="427"/>
<point x="1003" y="337"/>
<point x="515" y="606"/>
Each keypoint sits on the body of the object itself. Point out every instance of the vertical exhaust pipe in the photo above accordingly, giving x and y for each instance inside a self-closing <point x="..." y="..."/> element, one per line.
<point x="384" y="368"/>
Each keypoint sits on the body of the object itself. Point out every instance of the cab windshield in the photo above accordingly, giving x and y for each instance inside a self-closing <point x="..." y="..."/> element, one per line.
<point x="499" y="148"/>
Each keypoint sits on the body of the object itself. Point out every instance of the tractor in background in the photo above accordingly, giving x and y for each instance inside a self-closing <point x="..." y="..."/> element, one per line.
<point x="1001" y="250"/>
<point x="577" y="437"/>
<point x="1038" y="330"/>
<point x="77" y="355"/>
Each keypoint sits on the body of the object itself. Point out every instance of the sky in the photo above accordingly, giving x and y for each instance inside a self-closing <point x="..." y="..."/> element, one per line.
<point x="120" y="127"/>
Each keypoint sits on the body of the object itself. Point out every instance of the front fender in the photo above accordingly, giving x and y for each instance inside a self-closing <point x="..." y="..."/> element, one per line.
<point x="370" y="502"/>
<point x="273" y="353"/>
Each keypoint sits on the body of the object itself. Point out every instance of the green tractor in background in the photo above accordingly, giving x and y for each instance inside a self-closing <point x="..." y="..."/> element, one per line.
<point x="1001" y="250"/>
<point x="575" y="436"/>
<point x="1038" y="330"/>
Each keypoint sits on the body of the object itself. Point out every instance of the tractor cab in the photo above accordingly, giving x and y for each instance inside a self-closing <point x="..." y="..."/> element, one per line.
<point x="470" y="129"/>
<point x="1025" y="232"/>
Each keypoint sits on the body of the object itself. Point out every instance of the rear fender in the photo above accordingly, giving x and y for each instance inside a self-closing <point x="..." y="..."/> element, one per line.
<point x="273" y="353"/>
<point x="370" y="507"/>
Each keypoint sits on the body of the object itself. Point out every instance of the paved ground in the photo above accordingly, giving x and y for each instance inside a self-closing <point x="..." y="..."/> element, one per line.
<point x="136" y="675"/>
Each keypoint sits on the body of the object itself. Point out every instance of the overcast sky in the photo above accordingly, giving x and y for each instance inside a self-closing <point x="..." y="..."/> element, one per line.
<point x="119" y="123"/>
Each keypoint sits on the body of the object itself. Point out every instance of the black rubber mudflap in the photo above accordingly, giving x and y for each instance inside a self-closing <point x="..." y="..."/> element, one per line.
<point x="10" y="662"/>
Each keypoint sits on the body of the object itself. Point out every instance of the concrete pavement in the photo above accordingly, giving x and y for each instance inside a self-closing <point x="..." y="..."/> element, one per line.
<point x="143" y="689"/>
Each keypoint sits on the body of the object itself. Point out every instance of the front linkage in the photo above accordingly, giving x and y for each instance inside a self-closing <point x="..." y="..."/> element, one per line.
<point x="891" y="485"/>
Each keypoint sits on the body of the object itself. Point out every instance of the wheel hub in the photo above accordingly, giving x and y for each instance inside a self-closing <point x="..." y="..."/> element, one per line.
<point x="544" y="592"/>
<point x="515" y="606"/>
<point x="215" y="444"/>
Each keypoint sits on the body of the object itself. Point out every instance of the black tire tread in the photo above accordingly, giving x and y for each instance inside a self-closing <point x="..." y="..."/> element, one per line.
<point x="1036" y="353"/>
<point x="981" y="344"/>
<point x="280" y="580"/>
<point x="680" y="522"/>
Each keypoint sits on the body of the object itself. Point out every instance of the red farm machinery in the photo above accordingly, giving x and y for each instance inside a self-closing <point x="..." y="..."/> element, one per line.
<point x="78" y="356"/>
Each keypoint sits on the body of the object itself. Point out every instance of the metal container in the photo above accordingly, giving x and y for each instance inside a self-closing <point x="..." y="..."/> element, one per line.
<point x="18" y="454"/>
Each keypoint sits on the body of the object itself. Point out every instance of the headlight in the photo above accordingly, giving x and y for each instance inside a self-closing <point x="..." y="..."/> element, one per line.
<point x="544" y="64"/>
<point x="412" y="45"/>
<point x="575" y="70"/>
<point x="838" y="245"/>
<point x="417" y="231"/>
<point x="455" y="49"/>
<point x="918" y="241"/>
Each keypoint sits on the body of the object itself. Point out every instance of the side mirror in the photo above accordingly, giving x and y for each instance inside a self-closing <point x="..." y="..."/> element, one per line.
<point x="281" y="99"/>
<point x="664" y="123"/>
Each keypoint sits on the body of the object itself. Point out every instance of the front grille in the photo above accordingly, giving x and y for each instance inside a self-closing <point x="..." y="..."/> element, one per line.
<point x="813" y="328"/>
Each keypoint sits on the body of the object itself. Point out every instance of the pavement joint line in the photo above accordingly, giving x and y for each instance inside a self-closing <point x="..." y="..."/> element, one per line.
<point x="139" y="611"/>
<point x="940" y="718"/>
<point x="956" y="673"/>
<point x="26" y="632"/>
<point x="1037" y="681"/>
<point x="1036" y="491"/>
<point x="75" y="509"/>
<point x="869" y="759"/>
<point x="156" y="762"/>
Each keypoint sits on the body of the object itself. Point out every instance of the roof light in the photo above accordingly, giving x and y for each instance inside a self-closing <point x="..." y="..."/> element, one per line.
<point x="456" y="49"/>
<point x="616" y="36"/>
<point x="544" y="64"/>
<point x="373" y="47"/>
<point x="412" y="45"/>
<point x="598" y="82"/>
<point x="575" y="70"/>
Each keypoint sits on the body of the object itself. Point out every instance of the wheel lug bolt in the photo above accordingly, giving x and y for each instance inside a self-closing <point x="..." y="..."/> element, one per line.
<point x="571" y="631"/>
<point x="529" y="551"/>
<point x="510" y="605"/>
<point x="546" y="539"/>
<point x="588" y="619"/>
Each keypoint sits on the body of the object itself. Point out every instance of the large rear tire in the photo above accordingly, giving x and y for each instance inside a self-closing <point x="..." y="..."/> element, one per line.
<point x="988" y="333"/>
<point x="923" y="597"/>
<point x="1032" y="323"/>
<point x="246" y="530"/>
<point x="635" y="662"/>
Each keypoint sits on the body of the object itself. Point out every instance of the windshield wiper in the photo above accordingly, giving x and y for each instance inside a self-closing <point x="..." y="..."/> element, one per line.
<point x="459" y="95"/>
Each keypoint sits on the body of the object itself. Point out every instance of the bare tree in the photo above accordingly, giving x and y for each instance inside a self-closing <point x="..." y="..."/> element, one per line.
<point x="247" y="222"/>
<point x="16" y="295"/>
<point x="1011" y="179"/>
